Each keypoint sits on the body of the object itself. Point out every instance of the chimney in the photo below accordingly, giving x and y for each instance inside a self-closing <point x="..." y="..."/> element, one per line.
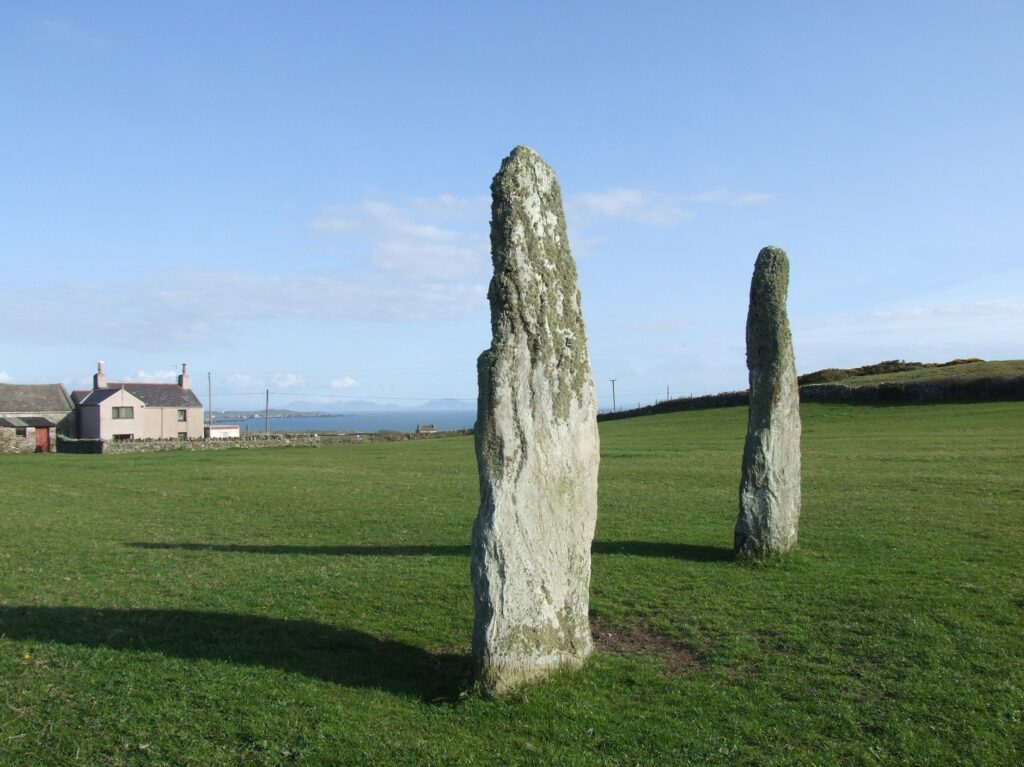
<point x="183" y="380"/>
<point x="99" y="381"/>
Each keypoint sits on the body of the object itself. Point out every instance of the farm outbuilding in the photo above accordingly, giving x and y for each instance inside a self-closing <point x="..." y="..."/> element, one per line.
<point x="31" y="416"/>
<point x="223" y="431"/>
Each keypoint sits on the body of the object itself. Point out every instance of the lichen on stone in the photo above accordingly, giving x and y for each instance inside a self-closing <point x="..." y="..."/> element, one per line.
<point x="769" y="507"/>
<point x="536" y="441"/>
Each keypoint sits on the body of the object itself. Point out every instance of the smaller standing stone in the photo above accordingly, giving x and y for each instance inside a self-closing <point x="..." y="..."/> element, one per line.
<point x="770" y="485"/>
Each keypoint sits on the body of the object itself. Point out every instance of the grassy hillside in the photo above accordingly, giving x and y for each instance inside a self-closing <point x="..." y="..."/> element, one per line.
<point x="313" y="606"/>
<point x="962" y="373"/>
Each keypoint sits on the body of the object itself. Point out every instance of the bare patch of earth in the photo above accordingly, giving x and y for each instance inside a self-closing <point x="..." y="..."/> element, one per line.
<point x="630" y="640"/>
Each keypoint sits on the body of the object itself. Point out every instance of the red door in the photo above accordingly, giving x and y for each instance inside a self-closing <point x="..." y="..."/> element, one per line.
<point x="42" y="439"/>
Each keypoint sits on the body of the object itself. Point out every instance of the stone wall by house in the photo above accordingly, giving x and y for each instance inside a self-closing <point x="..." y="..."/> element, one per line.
<point x="162" y="445"/>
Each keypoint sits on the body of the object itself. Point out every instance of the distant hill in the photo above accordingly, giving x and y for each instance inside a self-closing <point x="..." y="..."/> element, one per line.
<point x="958" y="371"/>
<point x="363" y="406"/>
<point x="447" y="404"/>
<point x="347" y="406"/>
<point x="892" y="382"/>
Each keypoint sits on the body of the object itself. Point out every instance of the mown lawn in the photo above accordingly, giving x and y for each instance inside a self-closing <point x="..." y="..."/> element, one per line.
<point x="313" y="606"/>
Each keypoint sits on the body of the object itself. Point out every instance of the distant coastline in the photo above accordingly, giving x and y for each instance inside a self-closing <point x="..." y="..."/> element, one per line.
<point x="359" y="423"/>
<point x="249" y="415"/>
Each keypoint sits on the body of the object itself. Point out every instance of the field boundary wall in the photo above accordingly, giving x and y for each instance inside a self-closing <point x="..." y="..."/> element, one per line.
<point x="274" y="439"/>
<point x="910" y="393"/>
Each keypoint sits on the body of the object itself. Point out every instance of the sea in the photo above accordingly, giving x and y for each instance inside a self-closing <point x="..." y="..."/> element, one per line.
<point x="389" y="420"/>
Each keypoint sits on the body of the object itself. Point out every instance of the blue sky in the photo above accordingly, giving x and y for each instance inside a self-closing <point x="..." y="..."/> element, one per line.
<point x="295" y="196"/>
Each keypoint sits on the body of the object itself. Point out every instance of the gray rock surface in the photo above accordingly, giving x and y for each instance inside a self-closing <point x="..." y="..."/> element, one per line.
<point x="536" y="442"/>
<point x="770" y="485"/>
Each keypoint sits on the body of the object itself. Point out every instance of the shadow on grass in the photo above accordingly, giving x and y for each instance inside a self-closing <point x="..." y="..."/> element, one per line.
<point x="341" y="656"/>
<point x="335" y="551"/>
<point x="687" y="551"/>
<point x="635" y="548"/>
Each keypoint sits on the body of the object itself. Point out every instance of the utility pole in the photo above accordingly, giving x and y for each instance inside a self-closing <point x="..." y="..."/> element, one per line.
<point x="266" y="414"/>
<point x="668" y="394"/>
<point x="209" y="398"/>
<point x="613" y="380"/>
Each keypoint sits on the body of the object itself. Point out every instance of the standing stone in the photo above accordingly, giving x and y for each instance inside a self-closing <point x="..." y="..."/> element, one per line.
<point x="770" y="484"/>
<point x="536" y="442"/>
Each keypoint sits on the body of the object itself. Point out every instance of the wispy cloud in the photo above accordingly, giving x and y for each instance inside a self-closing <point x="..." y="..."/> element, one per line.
<point x="727" y="197"/>
<point x="4" y="377"/>
<point x="923" y="329"/>
<point x="242" y="381"/>
<point x="422" y="239"/>
<point x="287" y="380"/>
<point x="642" y="206"/>
<point x="156" y="376"/>
<point x="630" y="204"/>
<point x="345" y="382"/>
<point x="190" y="308"/>
<point x="75" y="34"/>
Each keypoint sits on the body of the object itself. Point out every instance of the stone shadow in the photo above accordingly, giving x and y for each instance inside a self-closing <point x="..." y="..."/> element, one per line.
<point x="338" y="655"/>
<point x="690" y="552"/>
<point x="334" y="551"/>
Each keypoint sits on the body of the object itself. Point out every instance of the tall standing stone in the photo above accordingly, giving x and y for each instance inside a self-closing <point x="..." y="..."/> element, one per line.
<point x="536" y="442"/>
<point x="770" y="484"/>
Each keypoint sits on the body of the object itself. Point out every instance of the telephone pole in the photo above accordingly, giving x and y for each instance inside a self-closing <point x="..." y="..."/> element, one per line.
<point x="613" y="380"/>
<point x="266" y="414"/>
<point x="209" y="399"/>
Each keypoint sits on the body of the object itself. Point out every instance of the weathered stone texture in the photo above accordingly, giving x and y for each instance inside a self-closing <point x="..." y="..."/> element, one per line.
<point x="770" y="485"/>
<point x="536" y="442"/>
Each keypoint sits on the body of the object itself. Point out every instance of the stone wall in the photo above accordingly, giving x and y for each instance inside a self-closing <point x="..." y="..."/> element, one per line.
<point x="917" y="392"/>
<point x="914" y="393"/>
<point x="10" y="442"/>
<point x="161" y="445"/>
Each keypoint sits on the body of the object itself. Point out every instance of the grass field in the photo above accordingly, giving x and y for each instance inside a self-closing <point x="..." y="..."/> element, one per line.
<point x="263" y="607"/>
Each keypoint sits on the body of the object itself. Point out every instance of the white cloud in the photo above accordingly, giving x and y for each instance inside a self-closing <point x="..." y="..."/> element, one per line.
<point x="637" y="205"/>
<point x="345" y="382"/>
<point x="287" y="380"/>
<point x="241" y="381"/>
<point x="157" y="376"/>
<point x="446" y="206"/>
<point x="650" y="208"/>
<point x="424" y="239"/>
<point x="4" y="377"/>
<point x="727" y="197"/>
<point x="199" y="307"/>
<point x="924" y="331"/>
<point x="74" y="34"/>
<point x="332" y="221"/>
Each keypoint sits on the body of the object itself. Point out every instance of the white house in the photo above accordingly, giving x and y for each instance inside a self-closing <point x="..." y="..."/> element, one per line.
<point x="127" y="410"/>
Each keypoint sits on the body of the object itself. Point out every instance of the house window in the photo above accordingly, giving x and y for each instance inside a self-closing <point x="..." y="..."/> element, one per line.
<point x="183" y="435"/>
<point x="123" y="412"/>
<point x="20" y="431"/>
<point x="182" y="415"/>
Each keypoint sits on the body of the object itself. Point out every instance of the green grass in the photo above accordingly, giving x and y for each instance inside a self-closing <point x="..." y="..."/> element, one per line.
<point x="964" y="373"/>
<point x="263" y="607"/>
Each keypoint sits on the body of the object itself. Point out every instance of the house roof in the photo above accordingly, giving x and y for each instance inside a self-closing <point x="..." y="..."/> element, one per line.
<point x="95" y="397"/>
<point x="151" y="394"/>
<point x="12" y="422"/>
<point x="34" y="398"/>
